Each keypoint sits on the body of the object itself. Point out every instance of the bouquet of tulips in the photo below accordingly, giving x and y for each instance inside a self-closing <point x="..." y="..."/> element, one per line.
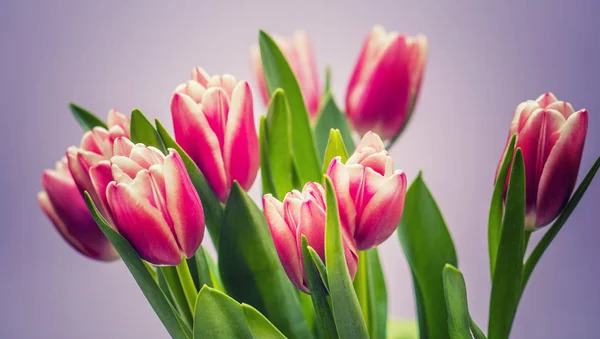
<point x="303" y="262"/>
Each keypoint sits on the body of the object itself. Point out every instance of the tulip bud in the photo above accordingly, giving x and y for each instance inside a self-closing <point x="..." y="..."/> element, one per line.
<point x="153" y="202"/>
<point x="385" y="84"/>
<point x="551" y="136"/>
<point x="214" y="123"/>
<point x="96" y="145"/>
<point x="298" y="52"/>
<point x="370" y="193"/>
<point x="302" y="214"/>
<point x="65" y="207"/>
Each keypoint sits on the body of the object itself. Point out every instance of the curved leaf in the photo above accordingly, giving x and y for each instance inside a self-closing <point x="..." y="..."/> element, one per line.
<point x="278" y="135"/>
<point x="331" y="117"/>
<point x="335" y="147"/>
<point x="86" y="119"/>
<point x="459" y="320"/>
<point x="259" y="326"/>
<point x="217" y="316"/>
<point x="143" y="132"/>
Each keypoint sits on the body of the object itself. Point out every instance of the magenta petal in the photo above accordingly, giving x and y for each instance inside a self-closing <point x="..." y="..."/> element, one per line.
<point x="143" y="226"/>
<point x="285" y="241"/>
<point x="183" y="204"/>
<point x="560" y="171"/>
<point x="195" y="136"/>
<point x="101" y="176"/>
<point x="341" y="184"/>
<point x="215" y="106"/>
<point x="383" y="212"/>
<point x="241" y="153"/>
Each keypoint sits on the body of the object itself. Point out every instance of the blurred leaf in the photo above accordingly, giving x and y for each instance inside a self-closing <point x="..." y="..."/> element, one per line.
<point x="318" y="293"/>
<point x="268" y="182"/>
<point x="331" y="117"/>
<point x="378" y="303"/>
<point x="250" y="266"/>
<point x="279" y="149"/>
<point x="327" y="86"/>
<point x="259" y="326"/>
<point x="335" y="147"/>
<point x="143" y="132"/>
<point x="85" y="118"/>
<point x="217" y="316"/>
<point x="506" y="281"/>
<point x="403" y="329"/>
<point x="213" y="210"/>
<point x="558" y="224"/>
<point x="346" y="309"/>
<point x="497" y="205"/>
<point x="157" y="299"/>
<point x="278" y="74"/>
<point x="428" y="247"/>
<point x="459" y="320"/>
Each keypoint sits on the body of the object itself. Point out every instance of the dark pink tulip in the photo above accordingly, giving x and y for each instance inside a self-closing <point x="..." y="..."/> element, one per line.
<point x="63" y="204"/>
<point x="152" y="200"/>
<point x="385" y="83"/>
<point x="302" y="213"/>
<point x="96" y="145"/>
<point x="369" y="192"/>
<point x="551" y="135"/>
<point x="299" y="54"/>
<point x="213" y="120"/>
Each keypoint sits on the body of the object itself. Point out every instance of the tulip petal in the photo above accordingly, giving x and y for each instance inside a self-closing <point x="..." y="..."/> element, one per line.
<point x="241" y="154"/>
<point x="184" y="205"/>
<point x="122" y="147"/>
<point x="195" y="136"/>
<point x="285" y="241"/>
<point x="306" y="72"/>
<point x="216" y="107"/>
<point x="383" y="212"/>
<point x="116" y="118"/>
<point x="143" y="226"/>
<point x="560" y="171"/>
<point x="126" y="165"/>
<point x="199" y="75"/>
<point x="312" y="225"/>
<point x="340" y="179"/>
<point x="146" y="156"/>
<point x="101" y="176"/>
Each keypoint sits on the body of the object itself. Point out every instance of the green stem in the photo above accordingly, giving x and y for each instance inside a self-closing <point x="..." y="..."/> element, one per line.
<point x="176" y="289"/>
<point x="361" y="286"/>
<point x="526" y="236"/>
<point x="187" y="284"/>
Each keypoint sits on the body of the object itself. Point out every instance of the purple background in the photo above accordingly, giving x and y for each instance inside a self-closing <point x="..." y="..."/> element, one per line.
<point x="485" y="58"/>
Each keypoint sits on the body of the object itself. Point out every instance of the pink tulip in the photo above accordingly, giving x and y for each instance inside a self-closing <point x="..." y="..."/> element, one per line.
<point x="302" y="214"/>
<point x="298" y="52"/>
<point x="96" y="145"/>
<point x="214" y="123"/>
<point x="385" y="83"/>
<point x="65" y="207"/>
<point x="551" y="136"/>
<point x="152" y="200"/>
<point x="370" y="193"/>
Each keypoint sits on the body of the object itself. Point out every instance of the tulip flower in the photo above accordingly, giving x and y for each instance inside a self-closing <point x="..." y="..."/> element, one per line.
<point x="551" y="136"/>
<point x="214" y="123"/>
<point x="370" y="193"/>
<point x="65" y="207"/>
<point x="385" y="84"/>
<point x="153" y="201"/>
<point x="96" y="145"/>
<point x="299" y="54"/>
<point x="302" y="213"/>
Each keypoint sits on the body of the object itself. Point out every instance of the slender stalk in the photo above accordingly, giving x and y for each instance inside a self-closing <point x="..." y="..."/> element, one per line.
<point x="187" y="284"/>
<point x="172" y="278"/>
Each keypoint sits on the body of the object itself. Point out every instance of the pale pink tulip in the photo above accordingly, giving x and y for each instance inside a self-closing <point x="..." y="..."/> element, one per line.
<point x="96" y="145"/>
<point x="299" y="54"/>
<point x="369" y="192"/>
<point x="385" y="84"/>
<point x="302" y="213"/>
<point x="214" y="123"/>
<point x="153" y="201"/>
<point x="63" y="204"/>
<point x="551" y="136"/>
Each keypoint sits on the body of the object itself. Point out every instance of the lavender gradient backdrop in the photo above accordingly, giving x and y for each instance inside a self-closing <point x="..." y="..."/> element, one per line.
<point x="485" y="58"/>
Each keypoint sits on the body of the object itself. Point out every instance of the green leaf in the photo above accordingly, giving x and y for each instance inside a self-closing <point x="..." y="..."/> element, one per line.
<point x="320" y="266"/>
<point x="259" y="326"/>
<point x="361" y="287"/>
<point x="279" y="149"/>
<point x="217" y="316"/>
<point x="476" y="331"/>
<point x="335" y="147"/>
<point x="278" y="74"/>
<point x="497" y="205"/>
<point x="214" y="272"/>
<point x="459" y="320"/>
<point x="157" y="299"/>
<point x="143" y="132"/>
<point x="506" y="280"/>
<point x="176" y="290"/>
<point x="213" y="210"/>
<point x="250" y="266"/>
<point x="85" y="118"/>
<point x="378" y="303"/>
<point x="268" y="182"/>
<point x="318" y="293"/>
<point x="332" y="117"/>
<point x="327" y="86"/>
<point x="200" y="269"/>
<point x="346" y="308"/>
<point x="403" y="329"/>
<point x="428" y="247"/>
<point x="541" y="247"/>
